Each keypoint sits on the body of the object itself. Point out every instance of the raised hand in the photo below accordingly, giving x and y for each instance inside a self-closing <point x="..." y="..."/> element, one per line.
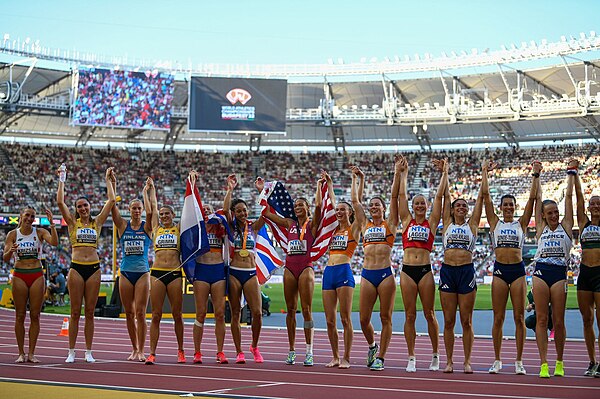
<point x="259" y="183"/>
<point x="400" y="163"/>
<point x="356" y="171"/>
<point x="573" y="163"/>
<point x="231" y="182"/>
<point x="49" y="215"/>
<point x="110" y="175"/>
<point x="193" y="175"/>
<point x="536" y="166"/>
<point x="439" y="164"/>
<point x="149" y="184"/>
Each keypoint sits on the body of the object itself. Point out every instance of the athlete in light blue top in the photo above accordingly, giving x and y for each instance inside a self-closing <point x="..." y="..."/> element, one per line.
<point x="134" y="287"/>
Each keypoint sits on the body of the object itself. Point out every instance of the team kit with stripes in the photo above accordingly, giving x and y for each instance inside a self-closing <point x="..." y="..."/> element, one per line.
<point x="227" y="256"/>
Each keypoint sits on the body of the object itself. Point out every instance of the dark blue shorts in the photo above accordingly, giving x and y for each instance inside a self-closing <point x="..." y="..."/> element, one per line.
<point x="336" y="276"/>
<point x="133" y="277"/>
<point x="376" y="276"/>
<point x="551" y="274"/>
<point x="242" y="275"/>
<point x="509" y="272"/>
<point x="458" y="279"/>
<point x="589" y="278"/>
<point x="209" y="273"/>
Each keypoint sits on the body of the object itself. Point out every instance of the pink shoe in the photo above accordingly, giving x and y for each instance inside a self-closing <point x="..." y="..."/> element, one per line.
<point x="240" y="358"/>
<point x="257" y="356"/>
<point x="551" y="334"/>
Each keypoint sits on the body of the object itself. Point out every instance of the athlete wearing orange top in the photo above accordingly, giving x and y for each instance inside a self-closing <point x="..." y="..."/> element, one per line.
<point x="418" y="233"/>
<point x="377" y="277"/>
<point x="338" y="279"/>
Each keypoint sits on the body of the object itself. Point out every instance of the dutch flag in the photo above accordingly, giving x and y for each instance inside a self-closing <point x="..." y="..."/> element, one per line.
<point x="194" y="240"/>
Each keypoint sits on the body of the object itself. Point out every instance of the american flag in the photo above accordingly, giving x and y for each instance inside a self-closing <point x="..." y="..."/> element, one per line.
<point x="276" y="198"/>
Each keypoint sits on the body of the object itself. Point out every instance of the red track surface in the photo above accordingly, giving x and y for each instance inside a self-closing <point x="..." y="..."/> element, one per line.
<point x="275" y="379"/>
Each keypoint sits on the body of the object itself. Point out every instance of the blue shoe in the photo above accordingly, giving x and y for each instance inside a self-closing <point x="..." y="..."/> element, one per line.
<point x="309" y="360"/>
<point x="377" y="364"/>
<point x="371" y="355"/>
<point x="291" y="358"/>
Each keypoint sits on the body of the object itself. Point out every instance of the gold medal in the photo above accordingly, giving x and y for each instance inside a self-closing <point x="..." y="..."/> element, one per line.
<point x="244" y="253"/>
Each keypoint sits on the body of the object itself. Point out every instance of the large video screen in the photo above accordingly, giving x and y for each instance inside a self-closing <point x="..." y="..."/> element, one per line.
<point x="237" y="105"/>
<point x="127" y="99"/>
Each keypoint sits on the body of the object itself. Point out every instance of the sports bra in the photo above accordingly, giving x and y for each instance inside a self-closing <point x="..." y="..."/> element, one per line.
<point x="28" y="246"/>
<point x="84" y="236"/>
<point x="590" y="236"/>
<point x="343" y="243"/>
<point x="459" y="237"/>
<point x="166" y="238"/>
<point x="554" y="247"/>
<point x="378" y="235"/>
<point x="418" y="236"/>
<point x="507" y="235"/>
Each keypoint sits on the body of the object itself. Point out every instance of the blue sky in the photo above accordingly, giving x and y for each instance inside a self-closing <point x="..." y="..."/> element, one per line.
<point x="286" y="32"/>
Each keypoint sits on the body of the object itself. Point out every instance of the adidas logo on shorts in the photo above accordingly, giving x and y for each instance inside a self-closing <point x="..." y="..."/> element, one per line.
<point x="498" y="272"/>
<point x="445" y="287"/>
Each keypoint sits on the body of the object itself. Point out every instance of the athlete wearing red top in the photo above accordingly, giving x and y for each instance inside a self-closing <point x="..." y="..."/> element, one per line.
<point x="416" y="277"/>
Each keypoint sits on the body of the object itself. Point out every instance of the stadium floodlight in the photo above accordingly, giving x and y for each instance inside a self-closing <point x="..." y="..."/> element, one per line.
<point x="425" y="127"/>
<point x="415" y="129"/>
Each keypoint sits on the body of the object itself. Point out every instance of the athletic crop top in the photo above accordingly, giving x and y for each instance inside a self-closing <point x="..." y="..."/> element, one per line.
<point x="343" y="243"/>
<point x="166" y="238"/>
<point x="590" y="236"/>
<point x="554" y="247"/>
<point x="459" y="237"/>
<point x="84" y="236"/>
<point x="378" y="235"/>
<point x="216" y="235"/>
<point x="238" y="239"/>
<point x="507" y="235"/>
<point x="29" y="246"/>
<point x="418" y="236"/>
<point x="134" y="247"/>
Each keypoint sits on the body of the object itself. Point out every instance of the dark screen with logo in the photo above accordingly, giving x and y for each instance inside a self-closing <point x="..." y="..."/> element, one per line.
<point x="237" y="104"/>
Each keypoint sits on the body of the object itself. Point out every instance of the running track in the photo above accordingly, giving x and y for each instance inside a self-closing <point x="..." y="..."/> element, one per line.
<point x="274" y="379"/>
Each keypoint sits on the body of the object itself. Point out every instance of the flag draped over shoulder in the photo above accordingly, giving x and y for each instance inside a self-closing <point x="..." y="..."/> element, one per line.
<point x="277" y="200"/>
<point x="219" y="218"/>
<point x="267" y="259"/>
<point x="194" y="239"/>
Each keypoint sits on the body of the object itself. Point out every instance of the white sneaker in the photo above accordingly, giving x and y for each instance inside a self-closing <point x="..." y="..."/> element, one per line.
<point x="496" y="367"/>
<point x="412" y="365"/>
<point x="435" y="363"/>
<point x="71" y="356"/>
<point x="519" y="369"/>
<point x="88" y="357"/>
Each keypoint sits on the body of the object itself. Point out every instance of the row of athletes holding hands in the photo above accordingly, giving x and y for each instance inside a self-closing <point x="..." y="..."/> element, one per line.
<point x="457" y="279"/>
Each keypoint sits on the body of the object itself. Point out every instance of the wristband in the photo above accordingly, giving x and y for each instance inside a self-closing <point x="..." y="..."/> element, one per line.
<point x="535" y="174"/>
<point x="572" y="172"/>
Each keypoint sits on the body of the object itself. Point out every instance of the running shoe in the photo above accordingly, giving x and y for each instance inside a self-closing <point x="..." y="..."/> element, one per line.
<point x="519" y="368"/>
<point x="150" y="359"/>
<point x="551" y="336"/>
<point x="544" y="371"/>
<point x="412" y="365"/>
<point x="435" y="362"/>
<point x="257" y="356"/>
<point x="221" y="359"/>
<point x="496" y="367"/>
<point x="89" y="358"/>
<point x="372" y="354"/>
<point x="180" y="356"/>
<point x="591" y="370"/>
<point x="377" y="364"/>
<point x="70" y="357"/>
<point x="308" y="361"/>
<point x="240" y="358"/>
<point x="559" y="369"/>
<point x="291" y="358"/>
<point x="198" y="358"/>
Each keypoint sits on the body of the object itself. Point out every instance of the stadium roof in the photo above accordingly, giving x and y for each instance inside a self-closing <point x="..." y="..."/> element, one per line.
<point x="478" y="99"/>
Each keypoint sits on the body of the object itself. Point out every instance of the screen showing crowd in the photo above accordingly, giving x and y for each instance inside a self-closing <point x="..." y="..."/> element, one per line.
<point x="127" y="99"/>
